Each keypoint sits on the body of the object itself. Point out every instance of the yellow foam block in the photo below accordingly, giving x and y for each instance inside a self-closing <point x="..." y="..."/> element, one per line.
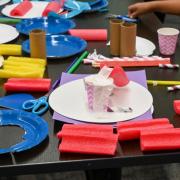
<point x="16" y="74"/>
<point x="10" y="49"/>
<point x="23" y="69"/>
<point x="27" y="59"/>
<point x="25" y="64"/>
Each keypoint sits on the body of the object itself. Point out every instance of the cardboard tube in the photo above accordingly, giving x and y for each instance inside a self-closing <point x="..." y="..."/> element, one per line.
<point x="128" y="39"/>
<point x="115" y="28"/>
<point x="38" y="44"/>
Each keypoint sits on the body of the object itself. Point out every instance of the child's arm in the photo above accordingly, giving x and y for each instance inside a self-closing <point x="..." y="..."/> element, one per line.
<point x="169" y="6"/>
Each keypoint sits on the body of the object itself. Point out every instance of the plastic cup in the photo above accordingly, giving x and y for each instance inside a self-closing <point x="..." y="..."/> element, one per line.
<point x="167" y="38"/>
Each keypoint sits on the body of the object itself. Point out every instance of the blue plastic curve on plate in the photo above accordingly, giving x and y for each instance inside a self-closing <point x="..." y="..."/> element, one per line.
<point x="36" y="129"/>
<point x="52" y="25"/>
<point x="60" y="46"/>
<point x="98" y="6"/>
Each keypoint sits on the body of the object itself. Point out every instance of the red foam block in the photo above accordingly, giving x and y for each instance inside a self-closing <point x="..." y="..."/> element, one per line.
<point x="52" y="7"/>
<point x="160" y="139"/>
<point x="21" y="9"/>
<point x="134" y="133"/>
<point x="89" y="145"/>
<point x="176" y="105"/>
<point x="90" y="34"/>
<point x="27" y="85"/>
<point x="70" y="129"/>
<point x="143" y="123"/>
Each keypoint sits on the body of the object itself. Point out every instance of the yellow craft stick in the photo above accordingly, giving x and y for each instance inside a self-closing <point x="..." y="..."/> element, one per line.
<point x="12" y="74"/>
<point x="10" y="49"/>
<point x="13" y="63"/>
<point x="166" y="83"/>
<point x="27" y="59"/>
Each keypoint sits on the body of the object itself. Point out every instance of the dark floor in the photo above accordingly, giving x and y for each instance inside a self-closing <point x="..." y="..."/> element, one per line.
<point x="158" y="172"/>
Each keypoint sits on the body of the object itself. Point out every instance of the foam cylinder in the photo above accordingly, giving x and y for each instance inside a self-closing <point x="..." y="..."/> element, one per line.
<point x="90" y="34"/>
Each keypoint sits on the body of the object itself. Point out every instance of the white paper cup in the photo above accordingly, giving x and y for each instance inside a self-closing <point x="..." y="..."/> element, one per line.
<point x="167" y="38"/>
<point x="98" y="92"/>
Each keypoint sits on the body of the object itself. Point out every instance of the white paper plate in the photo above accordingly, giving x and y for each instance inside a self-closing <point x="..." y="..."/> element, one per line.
<point x="70" y="100"/>
<point x="7" y="33"/>
<point x="35" y="11"/>
<point x="2" y="2"/>
<point x="144" y="47"/>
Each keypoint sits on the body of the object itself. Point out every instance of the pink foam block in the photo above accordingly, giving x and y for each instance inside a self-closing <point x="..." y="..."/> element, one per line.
<point x="144" y="123"/>
<point x="90" y="34"/>
<point x="160" y="139"/>
<point x="84" y="129"/>
<point x="21" y="9"/>
<point x="52" y="7"/>
<point x="134" y="133"/>
<point x="27" y="85"/>
<point x="101" y="145"/>
<point x="176" y="105"/>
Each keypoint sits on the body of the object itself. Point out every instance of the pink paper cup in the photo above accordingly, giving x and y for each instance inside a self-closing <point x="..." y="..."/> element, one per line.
<point x="167" y="38"/>
<point x="98" y="97"/>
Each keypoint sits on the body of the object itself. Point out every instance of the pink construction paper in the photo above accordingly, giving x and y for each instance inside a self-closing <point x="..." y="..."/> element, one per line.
<point x="137" y="76"/>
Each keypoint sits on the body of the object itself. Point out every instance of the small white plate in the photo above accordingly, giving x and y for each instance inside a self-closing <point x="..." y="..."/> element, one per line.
<point x="35" y="11"/>
<point x="2" y="2"/>
<point x="7" y="33"/>
<point x="144" y="47"/>
<point x="70" y="101"/>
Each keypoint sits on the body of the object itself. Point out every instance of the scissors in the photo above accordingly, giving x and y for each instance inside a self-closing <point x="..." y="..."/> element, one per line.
<point x="125" y="18"/>
<point x="38" y="106"/>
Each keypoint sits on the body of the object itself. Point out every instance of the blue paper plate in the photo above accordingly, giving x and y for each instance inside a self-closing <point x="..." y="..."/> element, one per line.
<point x="36" y="129"/>
<point x="52" y="25"/>
<point x="60" y="46"/>
<point x="98" y="6"/>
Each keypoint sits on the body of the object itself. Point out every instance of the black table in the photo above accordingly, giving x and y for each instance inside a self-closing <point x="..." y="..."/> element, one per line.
<point x="45" y="158"/>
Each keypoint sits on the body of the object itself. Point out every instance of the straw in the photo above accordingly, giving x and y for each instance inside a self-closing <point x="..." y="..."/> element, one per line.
<point x="77" y="62"/>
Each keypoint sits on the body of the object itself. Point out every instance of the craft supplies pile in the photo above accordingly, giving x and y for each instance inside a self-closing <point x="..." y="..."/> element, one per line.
<point x="91" y="106"/>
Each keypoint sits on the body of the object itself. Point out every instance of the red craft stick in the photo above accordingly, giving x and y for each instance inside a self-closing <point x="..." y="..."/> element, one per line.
<point x="160" y="139"/>
<point x="134" y="133"/>
<point x="52" y="6"/>
<point x="90" y="34"/>
<point x="84" y="129"/>
<point x="89" y="145"/>
<point x="132" y="63"/>
<point x="27" y="85"/>
<point x="21" y="9"/>
<point x="143" y="123"/>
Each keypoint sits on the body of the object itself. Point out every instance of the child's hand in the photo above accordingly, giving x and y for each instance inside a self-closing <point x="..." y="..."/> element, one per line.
<point x="138" y="9"/>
